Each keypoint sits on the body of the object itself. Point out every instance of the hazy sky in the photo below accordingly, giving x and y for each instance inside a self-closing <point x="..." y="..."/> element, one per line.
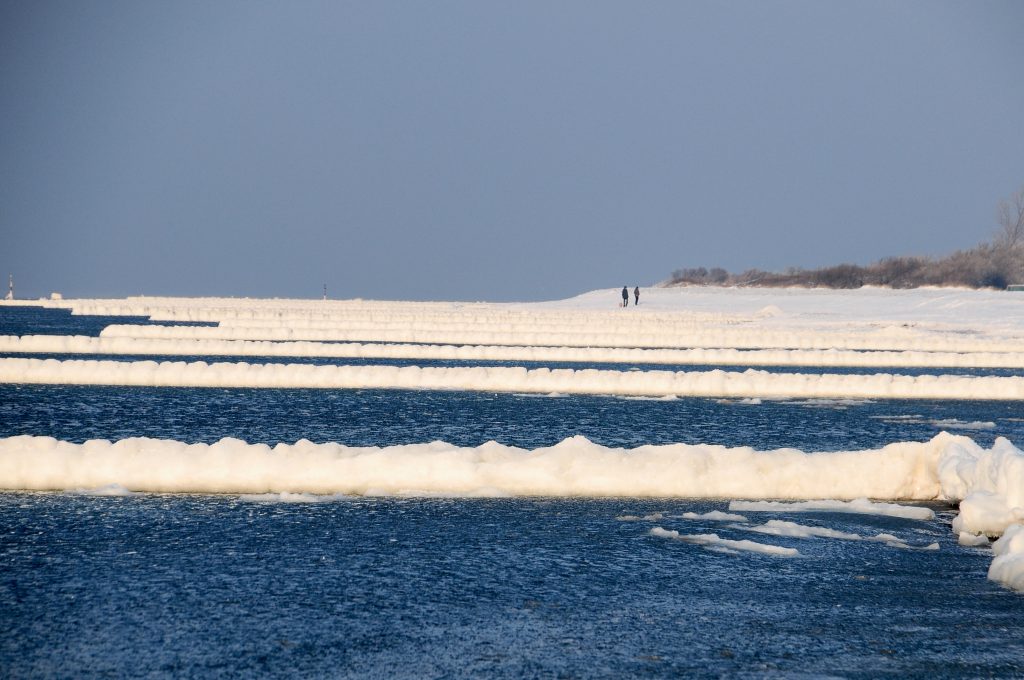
<point x="493" y="150"/>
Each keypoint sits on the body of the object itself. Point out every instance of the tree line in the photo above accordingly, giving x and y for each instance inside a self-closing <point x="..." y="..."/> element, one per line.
<point x="998" y="263"/>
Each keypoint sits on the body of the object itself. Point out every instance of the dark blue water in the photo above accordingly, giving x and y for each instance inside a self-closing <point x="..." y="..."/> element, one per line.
<point x="43" y="321"/>
<point x="205" y="586"/>
<point x="385" y="417"/>
<point x="211" y="586"/>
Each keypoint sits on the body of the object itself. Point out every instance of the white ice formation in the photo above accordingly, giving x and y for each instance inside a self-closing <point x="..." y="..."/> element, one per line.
<point x="574" y="467"/>
<point x="713" y="516"/>
<point x="778" y="527"/>
<point x="637" y="335"/>
<point x="653" y="383"/>
<point x="718" y="544"/>
<point x="987" y="483"/>
<point x="1008" y="565"/>
<point x="129" y="345"/>
<point x="860" y="506"/>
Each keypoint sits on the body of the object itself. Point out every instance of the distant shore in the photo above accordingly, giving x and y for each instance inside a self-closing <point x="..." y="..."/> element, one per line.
<point x="986" y="266"/>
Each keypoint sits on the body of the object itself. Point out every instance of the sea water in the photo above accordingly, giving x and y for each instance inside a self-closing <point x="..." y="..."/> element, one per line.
<point x="191" y="585"/>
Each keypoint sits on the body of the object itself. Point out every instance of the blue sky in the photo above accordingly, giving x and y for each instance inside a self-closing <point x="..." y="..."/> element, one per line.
<point x="493" y="150"/>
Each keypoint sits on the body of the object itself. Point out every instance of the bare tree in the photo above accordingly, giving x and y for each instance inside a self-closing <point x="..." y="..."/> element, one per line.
<point x="1011" y="222"/>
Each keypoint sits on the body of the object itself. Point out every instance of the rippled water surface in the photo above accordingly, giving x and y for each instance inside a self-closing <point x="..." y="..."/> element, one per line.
<point x="384" y="417"/>
<point x="504" y="588"/>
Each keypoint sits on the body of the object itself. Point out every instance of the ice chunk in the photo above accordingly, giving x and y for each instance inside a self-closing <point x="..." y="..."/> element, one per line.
<point x="714" y="542"/>
<point x="1008" y="566"/>
<point x="861" y="506"/>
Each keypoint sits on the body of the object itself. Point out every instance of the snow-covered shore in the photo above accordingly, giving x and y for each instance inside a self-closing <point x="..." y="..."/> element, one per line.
<point x="929" y="319"/>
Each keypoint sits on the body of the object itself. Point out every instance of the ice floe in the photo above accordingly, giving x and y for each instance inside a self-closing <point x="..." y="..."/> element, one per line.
<point x="777" y="527"/>
<point x="858" y="505"/>
<point x="1008" y="565"/>
<point x="713" y="516"/>
<point x="713" y="541"/>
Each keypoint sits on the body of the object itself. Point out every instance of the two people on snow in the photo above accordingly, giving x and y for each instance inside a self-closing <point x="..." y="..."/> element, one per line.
<point x="625" y="296"/>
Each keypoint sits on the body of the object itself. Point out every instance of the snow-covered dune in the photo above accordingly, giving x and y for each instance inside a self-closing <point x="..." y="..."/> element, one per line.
<point x="715" y="383"/>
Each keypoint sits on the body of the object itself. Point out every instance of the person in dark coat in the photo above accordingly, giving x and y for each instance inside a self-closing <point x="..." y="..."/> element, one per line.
<point x="636" y="296"/>
<point x="625" y="297"/>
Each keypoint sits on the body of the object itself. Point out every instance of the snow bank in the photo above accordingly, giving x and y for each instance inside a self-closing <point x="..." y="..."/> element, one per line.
<point x="874" y="303"/>
<point x="64" y="344"/>
<point x="869" y="315"/>
<point x="716" y="383"/>
<point x="946" y="320"/>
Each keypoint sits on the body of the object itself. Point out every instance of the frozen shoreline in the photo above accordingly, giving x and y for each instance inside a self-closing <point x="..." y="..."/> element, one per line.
<point x="925" y="319"/>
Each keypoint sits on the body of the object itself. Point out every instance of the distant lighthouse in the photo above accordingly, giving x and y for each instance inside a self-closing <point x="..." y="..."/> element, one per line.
<point x="10" y="287"/>
<point x="325" y="291"/>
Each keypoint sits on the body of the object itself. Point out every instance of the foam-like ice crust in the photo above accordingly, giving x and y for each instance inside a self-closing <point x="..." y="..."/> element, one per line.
<point x="574" y="467"/>
<point x="777" y="527"/>
<point x="712" y="541"/>
<point x="286" y="497"/>
<point x="947" y="467"/>
<point x="664" y="336"/>
<point x="861" y="506"/>
<point x="715" y="383"/>
<point x="713" y="516"/>
<point x="65" y="344"/>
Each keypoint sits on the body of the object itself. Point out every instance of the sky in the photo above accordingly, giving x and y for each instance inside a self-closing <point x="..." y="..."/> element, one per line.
<point x="493" y="150"/>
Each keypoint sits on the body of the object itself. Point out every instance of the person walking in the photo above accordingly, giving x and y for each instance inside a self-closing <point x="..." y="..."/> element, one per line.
<point x="625" y="297"/>
<point x="636" y="296"/>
